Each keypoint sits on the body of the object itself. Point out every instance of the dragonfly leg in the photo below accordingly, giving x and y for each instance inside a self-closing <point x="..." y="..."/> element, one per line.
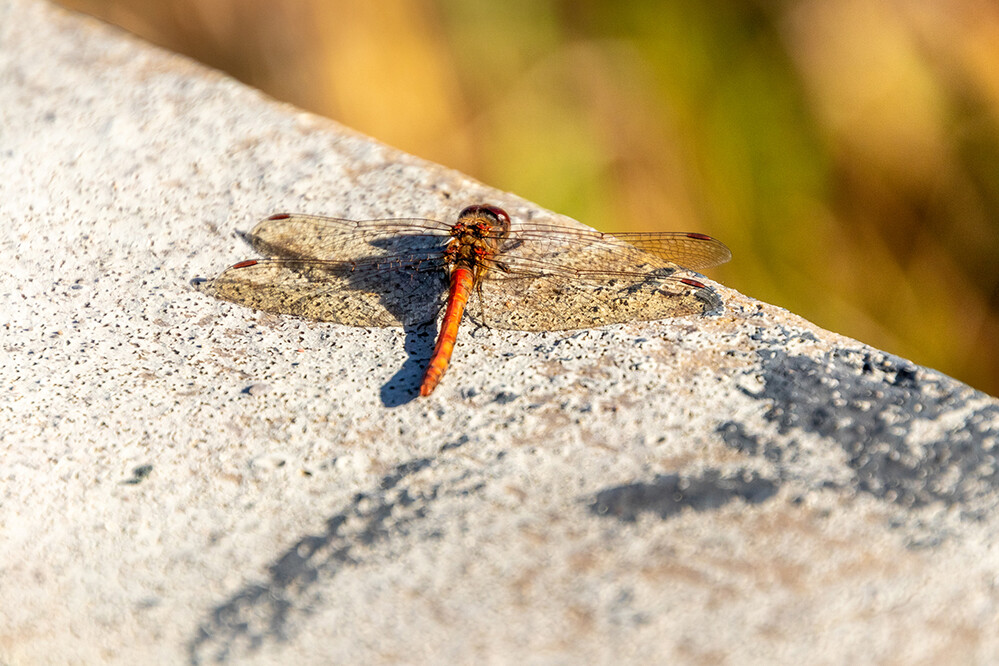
<point x="482" y="306"/>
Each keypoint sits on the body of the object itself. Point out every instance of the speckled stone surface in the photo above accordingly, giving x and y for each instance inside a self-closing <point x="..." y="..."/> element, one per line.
<point x="183" y="480"/>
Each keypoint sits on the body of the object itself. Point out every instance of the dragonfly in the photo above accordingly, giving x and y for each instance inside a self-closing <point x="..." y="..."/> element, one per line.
<point x="529" y="276"/>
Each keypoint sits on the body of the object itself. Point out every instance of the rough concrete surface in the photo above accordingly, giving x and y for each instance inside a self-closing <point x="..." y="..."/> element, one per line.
<point x="189" y="481"/>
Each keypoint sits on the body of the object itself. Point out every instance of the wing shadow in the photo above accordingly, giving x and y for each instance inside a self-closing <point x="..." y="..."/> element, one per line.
<point x="403" y="286"/>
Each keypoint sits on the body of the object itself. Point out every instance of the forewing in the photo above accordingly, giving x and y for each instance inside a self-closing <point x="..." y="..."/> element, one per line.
<point x="334" y="239"/>
<point x="366" y="295"/>
<point x="548" y="248"/>
<point x="690" y="250"/>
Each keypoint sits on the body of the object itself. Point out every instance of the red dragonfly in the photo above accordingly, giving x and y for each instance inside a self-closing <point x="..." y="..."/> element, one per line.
<point x="533" y="276"/>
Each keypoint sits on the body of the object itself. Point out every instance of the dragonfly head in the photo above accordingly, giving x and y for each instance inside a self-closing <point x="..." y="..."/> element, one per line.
<point x="491" y="219"/>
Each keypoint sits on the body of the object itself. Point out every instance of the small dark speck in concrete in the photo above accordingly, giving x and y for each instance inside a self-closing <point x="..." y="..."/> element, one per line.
<point x="505" y="397"/>
<point x="456" y="444"/>
<point x="138" y="474"/>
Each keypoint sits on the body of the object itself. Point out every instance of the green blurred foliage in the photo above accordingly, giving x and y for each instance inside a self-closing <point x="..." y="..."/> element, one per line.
<point x="846" y="150"/>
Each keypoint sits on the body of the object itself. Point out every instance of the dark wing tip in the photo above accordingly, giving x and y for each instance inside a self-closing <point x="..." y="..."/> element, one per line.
<point x="702" y="292"/>
<point x="712" y="301"/>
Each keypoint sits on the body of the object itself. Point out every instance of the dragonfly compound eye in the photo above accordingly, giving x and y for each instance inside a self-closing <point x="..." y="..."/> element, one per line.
<point x="498" y="212"/>
<point x="485" y="210"/>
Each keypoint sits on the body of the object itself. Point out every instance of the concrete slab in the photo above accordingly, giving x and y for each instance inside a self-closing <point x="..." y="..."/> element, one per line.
<point x="187" y="480"/>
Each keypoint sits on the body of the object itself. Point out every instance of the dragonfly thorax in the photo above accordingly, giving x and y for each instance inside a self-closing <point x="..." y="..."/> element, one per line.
<point x="476" y="238"/>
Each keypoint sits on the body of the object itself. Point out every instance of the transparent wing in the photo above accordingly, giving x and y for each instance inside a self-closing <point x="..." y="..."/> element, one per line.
<point x="365" y="293"/>
<point x="553" y="303"/>
<point x="690" y="250"/>
<point x="336" y="239"/>
<point x="549" y="248"/>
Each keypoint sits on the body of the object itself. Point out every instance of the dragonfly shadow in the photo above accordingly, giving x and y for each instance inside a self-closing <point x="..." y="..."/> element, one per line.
<point x="403" y="285"/>
<point x="404" y="386"/>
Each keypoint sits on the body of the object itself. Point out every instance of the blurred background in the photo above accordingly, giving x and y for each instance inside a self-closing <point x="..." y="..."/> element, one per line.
<point x="846" y="150"/>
